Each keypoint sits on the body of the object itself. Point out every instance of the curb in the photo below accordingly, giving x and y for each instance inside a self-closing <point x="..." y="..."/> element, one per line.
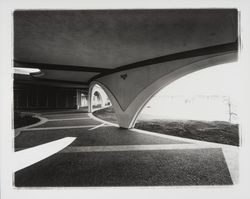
<point x="42" y="121"/>
<point x="101" y="120"/>
<point x="167" y="136"/>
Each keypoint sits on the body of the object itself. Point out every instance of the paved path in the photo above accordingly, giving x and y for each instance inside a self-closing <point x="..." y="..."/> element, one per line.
<point x="104" y="155"/>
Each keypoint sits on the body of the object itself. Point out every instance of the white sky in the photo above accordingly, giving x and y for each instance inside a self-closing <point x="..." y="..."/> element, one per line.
<point x="222" y="79"/>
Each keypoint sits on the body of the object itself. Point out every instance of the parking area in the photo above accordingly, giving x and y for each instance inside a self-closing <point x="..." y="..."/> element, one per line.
<point x="105" y="155"/>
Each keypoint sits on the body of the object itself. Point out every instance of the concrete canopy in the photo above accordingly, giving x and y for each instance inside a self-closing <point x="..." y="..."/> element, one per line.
<point x="124" y="49"/>
<point x="108" y="39"/>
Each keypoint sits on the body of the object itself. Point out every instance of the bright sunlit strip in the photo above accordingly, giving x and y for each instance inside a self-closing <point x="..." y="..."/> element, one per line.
<point x="25" y="71"/>
<point x="27" y="157"/>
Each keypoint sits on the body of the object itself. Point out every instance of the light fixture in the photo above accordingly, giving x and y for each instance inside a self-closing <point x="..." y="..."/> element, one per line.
<point x="26" y="71"/>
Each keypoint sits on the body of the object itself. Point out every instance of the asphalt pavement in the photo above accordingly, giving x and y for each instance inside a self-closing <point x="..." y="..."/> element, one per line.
<point x="105" y="155"/>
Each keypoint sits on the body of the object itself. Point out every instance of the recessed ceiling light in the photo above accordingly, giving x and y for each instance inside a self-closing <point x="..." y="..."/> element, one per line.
<point x="26" y="71"/>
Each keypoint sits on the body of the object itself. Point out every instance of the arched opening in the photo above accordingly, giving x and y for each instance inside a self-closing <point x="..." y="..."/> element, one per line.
<point x="202" y="105"/>
<point x="101" y="98"/>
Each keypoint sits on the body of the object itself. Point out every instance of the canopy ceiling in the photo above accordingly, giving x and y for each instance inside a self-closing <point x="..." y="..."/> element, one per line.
<point x="78" y="45"/>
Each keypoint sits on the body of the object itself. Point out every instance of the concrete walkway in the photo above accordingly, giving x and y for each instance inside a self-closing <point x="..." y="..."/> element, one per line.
<point x="104" y="155"/>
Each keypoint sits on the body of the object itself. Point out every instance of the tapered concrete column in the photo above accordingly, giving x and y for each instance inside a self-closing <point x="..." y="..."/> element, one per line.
<point x="130" y="90"/>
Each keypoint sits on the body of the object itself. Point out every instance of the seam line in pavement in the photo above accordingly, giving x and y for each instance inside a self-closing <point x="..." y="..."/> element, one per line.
<point x="80" y="149"/>
<point x="63" y="114"/>
<point x="60" y="127"/>
<point x="62" y="119"/>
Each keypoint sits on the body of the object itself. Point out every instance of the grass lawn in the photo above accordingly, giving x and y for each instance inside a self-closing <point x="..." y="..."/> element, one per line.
<point x="214" y="131"/>
<point x="21" y="119"/>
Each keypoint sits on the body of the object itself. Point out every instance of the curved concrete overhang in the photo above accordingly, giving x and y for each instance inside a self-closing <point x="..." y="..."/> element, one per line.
<point x="129" y="96"/>
<point x="141" y="100"/>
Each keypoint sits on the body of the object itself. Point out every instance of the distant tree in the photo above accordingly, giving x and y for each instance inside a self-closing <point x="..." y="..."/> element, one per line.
<point x="231" y="110"/>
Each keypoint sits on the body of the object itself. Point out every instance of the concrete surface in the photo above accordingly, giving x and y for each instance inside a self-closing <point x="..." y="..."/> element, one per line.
<point x="110" y="156"/>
